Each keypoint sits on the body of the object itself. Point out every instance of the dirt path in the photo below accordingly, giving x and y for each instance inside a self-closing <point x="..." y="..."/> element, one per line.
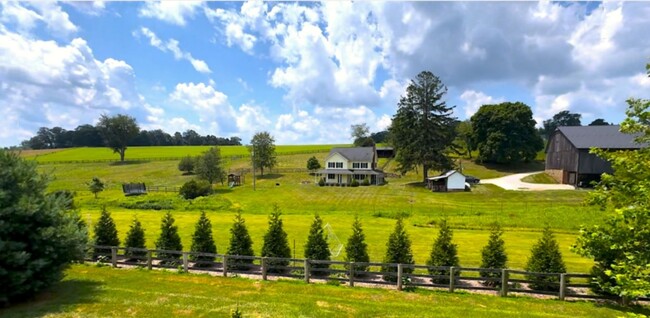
<point x="513" y="182"/>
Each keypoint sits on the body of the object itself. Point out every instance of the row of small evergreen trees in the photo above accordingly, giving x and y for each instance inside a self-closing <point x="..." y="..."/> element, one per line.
<point x="545" y="258"/>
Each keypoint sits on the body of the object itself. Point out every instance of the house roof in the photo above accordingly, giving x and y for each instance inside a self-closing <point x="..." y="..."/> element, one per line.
<point x="607" y="137"/>
<point x="355" y="154"/>
<point x="350" y="171"/>
<point x="445" y="175"/>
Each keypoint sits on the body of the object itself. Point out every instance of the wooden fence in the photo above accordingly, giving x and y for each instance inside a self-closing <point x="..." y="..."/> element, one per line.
<point x="500" y="281"/>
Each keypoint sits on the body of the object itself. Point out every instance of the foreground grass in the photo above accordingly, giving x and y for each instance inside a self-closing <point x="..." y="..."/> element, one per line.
<point x="539" y="178"/>
<point x="89" y="291"/>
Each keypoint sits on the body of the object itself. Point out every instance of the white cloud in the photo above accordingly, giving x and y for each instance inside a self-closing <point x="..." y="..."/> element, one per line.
<point x="474" y="100"/>
<point x="172" y="46"/>
<point x="174" y="12"/>
<point x="210" y="105"/>
<point x="26" y="15"/>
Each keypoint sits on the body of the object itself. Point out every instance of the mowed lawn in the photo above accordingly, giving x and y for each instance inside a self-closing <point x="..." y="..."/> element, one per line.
<point x="90" y="291"/>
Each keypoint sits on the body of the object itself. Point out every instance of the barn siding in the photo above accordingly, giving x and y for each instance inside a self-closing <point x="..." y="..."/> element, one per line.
<point x="592" y="164"/>
<point x="561" y="155"/>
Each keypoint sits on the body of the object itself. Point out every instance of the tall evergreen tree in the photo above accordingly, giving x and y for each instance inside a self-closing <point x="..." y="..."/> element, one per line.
<point x="275" y="240"/>
<point x="494" y="256"/>
<point x="240" y="244"/>
<point x="398" y="250"/>
<point x="316" y="247"/>
<point x="545" y="258"/>
<point x="105" y="234"/>
<point x="202" y="241"/>
<point x="357" y="250"/>
<point x="169" y="240"/>
<point x="135" y="239"/>
<point x="443" y="253"/>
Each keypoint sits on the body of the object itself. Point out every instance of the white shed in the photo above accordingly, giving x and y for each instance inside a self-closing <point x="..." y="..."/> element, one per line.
<point x="451" y="180"/>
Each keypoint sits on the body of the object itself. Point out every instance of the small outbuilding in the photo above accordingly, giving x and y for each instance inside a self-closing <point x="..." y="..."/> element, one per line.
<point x="234" y="180"/>
<point x="451" y="180"/>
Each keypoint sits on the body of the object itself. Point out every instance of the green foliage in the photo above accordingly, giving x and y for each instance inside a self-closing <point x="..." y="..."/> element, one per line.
<point x="202" y="240"/>
<point x="422" y="130"/>
<point x="313" y="164"/>
<point x="148" y="204"/>
<point x="39" y="236"/>
<point x="186" y="165"/>
<point x="494" y="256"/>
<point x="316" y="247"/>
<point x="276" y="243"/>
<point x="357" y="250"/>
<point x="135" y="239"/>
<point x="398" y="250"/>
<point x="193" y="189"/>
<point x="505" y="133"/>
<point x="464" y="140"/>
<point x="354" y="183"/>
<point x="443" y="253"/>
<point x="66" y="197"/>
<point x="365" y="182"/>
<point x="359" y="133"/>
<point x="262" y="150"/>
<point x="169" y="240"/>
<point x="599" y="122"/>
<point x="240" y="244"/>
<point x="545" y="258"/>
<point x="96" y="186"/>
<point x="209" y="166"/>
<point x="364" y="142"/>
<point x="563" y="118"/>
<point x="236" y="313"/>
<point x="117" y="131"/>
<point x="105" y="233"/>
<point x="321" y="182"/>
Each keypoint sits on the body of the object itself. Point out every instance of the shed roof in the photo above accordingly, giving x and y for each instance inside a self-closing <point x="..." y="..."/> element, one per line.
<point x="445" y="175"/>
<point x="355" y="154"/>
<point x="607" y="137"/>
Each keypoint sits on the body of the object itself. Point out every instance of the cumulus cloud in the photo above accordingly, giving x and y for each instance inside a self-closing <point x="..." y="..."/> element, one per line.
<point x="174" y="12"/>
<point x="211" y="106"/>
<point x="474" y="100"/>
<point x="26" y="15"/>
<point x="172" y="46"/>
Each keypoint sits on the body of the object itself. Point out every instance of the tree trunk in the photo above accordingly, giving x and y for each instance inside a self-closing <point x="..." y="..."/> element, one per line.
<point x="261" y="170"/>
<point x="122" y="154"/>
<point x="425" y="173"/>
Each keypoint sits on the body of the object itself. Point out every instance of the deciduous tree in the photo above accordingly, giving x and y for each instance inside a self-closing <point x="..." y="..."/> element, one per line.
<point x="117" y="131"/>
<point x="563" y="118"/>
<point x="262" y="150"/>
<point x="599" y="122"/>
<point x="209" y="166"/>
<point x="96" y="186"/>
<point x="313" y="164"/>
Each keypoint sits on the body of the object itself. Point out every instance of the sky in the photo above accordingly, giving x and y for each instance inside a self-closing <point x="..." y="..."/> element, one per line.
<point x="306" y="71"/>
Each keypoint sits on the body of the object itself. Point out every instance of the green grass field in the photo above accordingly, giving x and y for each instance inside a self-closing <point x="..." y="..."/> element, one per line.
<point x="539" y="178"/>
<point x="90" y="291"/>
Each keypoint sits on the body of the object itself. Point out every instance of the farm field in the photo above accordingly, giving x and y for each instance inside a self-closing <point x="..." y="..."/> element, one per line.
<point x="90" y="291"/>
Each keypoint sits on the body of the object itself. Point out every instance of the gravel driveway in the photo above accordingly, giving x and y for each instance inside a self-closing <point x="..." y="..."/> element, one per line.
<point x="513" y="182"/>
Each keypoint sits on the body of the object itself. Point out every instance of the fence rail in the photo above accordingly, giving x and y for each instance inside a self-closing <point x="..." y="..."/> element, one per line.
<point x="499" y="281"/>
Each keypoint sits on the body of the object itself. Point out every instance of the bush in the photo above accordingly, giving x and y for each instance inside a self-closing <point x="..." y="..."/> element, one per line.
<point x="38" y="236"/>
<point x="169" y="240"/>
<point x="494" y="256"/>
<point x="357" y="250"/>
<point x="398" y="250"/>
<point x="202" y="241"/>
<point x="354" y="183"/>
<point x="240" y="244"/>
<point x="443" y="253"/>
<point x="193" y="189"/>
<point x="365" y="182"/>
<point x="186" y="165"/>
<point x="316" y="247"/>
<point x="105" y="234"/>
<point x="545" y="258"/>
<point x="313" y="164"/>
<point x="96" y="186"/>
<point x="150" y="204"/>
<point x="321" y="182"/>
<point x="135" y="239"/>
<point x="275" y="241"/>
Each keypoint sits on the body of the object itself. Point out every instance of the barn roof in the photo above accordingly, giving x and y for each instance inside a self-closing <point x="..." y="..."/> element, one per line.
<point x="355" y="154"/>
<point x="607" y="137"/>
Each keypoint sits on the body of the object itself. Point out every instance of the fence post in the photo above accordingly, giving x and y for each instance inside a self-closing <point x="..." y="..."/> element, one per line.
<point x="186" y="266"/>
<point x="400" y="270"/>
<point x="351" y="274"/>
<point x="504" y="282"/>
<point x="452" y="279"/>
<point x="225" y="266"/>
<point x="307" y="271"/>
<point x="562" y="286"/>
<point x="264" y="268"/>
<point x="149" y="260"/>
<point x="114" y="255"/>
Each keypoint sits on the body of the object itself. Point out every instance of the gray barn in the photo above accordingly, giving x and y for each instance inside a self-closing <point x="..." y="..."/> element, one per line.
<point x="567" y="153"/>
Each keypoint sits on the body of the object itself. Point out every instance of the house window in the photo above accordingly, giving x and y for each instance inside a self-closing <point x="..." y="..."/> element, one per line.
<point x="355" y="165"/>
<point x="330" y="165"/>
<point x="331" y="176"/>
<point x="359" y="177"/>
<point x="364" y="165"/>
<point x="339" y="165"/>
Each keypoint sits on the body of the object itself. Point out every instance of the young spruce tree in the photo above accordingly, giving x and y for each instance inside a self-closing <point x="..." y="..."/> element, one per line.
<point x="169" y="240"/>
<point x="135" y="239"/>
<point x="275" y="241"/>
<point x="316" y="247"/>
<point x="357" y="250"/>
<point x="240" y="244"/>
<point x="494" y="256"/>
<point x="202" y="241"/>
<point x="443" y="253"/>
<point x="105" y="234"/>
<point x="545" y="258"/>
<point x="398" y="250"/>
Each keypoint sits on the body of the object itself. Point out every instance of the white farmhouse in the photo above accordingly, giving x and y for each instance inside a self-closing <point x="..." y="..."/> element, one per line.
<point x="451" y="180"/>
<point x="343" y="165"/>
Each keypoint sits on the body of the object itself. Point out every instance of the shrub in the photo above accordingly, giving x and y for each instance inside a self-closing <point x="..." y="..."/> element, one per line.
<point x="96" y="186"/>
<point x="316" y="247"/>
<point x="545" y="258"/>
<point x="186" y="165"/>
<point x="398" y="250"/>
<point x="169" y="240"/>
<point x="38" y="236"/>
<point x="365" y="182"/>
<point x="354" y="183"/>
<point x="443" y="253"/>
<point x="193" y="189"/>
<point x="240" y="244"/>
<point x="202" y="241"/>
<point x="494" y="256"/>
<point x="150" y="204"/>
<point x="321" y="182"/>
<point x="275" y="241"/>
<point x="313" y="164"/>
<point x="135" y="239"/>
<point x="357" y="250"/>
<point x="105" y="233"/>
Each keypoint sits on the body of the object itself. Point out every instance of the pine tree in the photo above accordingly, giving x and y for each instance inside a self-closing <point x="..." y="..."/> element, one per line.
<point x="357" y="250"/>
<point x="398" y="250"/>
<point x="202" y="241"/>
<point x="169" y="240"/>
<point x="135" y="239"/>
<point x="105" y="234"/>
<point x="494" y="256"/>
<point x="240" y="244"/>
<point x="275" y="241"/>
<point x="316" y="247"/>
<point x="443" y="254"/>
<point x="545" y="258"/>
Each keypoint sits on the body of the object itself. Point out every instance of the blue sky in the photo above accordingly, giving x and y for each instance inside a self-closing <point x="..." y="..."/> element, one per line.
<point x="306" y="71"/>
